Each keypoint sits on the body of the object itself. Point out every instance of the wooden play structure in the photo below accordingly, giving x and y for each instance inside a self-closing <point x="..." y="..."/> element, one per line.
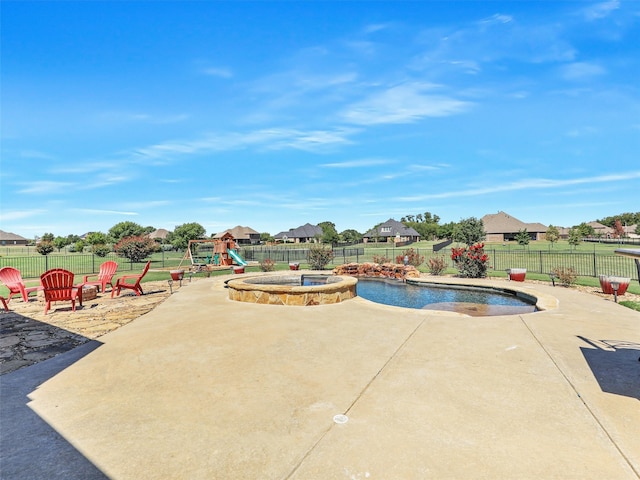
<point x="210" y="253"/>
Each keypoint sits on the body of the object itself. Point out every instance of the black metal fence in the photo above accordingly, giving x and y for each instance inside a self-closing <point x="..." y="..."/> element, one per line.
<point x="585" y="264"/>
<point x="81" y="264"/>
<point x="298" y="254"/>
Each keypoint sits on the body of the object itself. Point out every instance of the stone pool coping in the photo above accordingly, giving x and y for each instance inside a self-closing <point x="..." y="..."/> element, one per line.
<point x="240" y="289"/>
<point x="542" y="300"/>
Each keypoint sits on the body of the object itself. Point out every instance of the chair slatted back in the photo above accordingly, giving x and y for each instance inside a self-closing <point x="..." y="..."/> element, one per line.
<point x="58" y="284"/>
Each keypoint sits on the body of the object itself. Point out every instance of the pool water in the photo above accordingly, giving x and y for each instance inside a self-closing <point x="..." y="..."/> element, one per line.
<point x="468" y="300"/>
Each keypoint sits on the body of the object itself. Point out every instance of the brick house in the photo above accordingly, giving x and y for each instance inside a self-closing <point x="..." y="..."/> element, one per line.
<point x="391" y="231"/>
<point x="502" y="227"/>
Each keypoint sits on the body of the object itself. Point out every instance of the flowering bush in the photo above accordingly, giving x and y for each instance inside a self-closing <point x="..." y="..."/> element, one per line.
<point x="136" y="248"/>
<point x="319" y="256"/>
<point x="470" y="261"/>
<point x="437" y="265"/>
<point x="380" y="259"/>
<point x="267" y="265"/>
<point x="413" y="258"/>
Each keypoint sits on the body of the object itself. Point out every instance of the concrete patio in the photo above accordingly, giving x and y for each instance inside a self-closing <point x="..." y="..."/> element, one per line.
<point x="203" y="387"/>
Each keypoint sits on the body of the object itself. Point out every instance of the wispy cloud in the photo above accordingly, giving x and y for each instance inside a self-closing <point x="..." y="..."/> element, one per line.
<point x="220" y="72"/>
<point x="406" y="103"/>
<point x="527" y="184"/>
<point x="580" y="71"/>
<point x="365" y="162"/>
<point x="19" y="214"/>
<point x="144" y="205"/>
<point x="94" y="211"/>
<point x="267" y="139"/>
<point x="116" y="117"/>
<point x="601" y="10"/>
<point x="46" y="187"/>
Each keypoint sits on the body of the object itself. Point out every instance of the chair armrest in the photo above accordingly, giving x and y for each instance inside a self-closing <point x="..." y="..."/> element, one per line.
<point x="86" y="277"/>
<point x="129" y="276"/>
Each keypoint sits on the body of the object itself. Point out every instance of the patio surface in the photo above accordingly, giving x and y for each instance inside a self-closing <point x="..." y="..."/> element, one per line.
<point x="202" y="387"/>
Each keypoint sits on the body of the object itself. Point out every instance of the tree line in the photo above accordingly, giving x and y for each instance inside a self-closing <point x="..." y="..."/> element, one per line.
<point x="126" y="237"/>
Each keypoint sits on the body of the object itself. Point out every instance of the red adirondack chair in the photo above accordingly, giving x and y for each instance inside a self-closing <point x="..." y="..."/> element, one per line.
<point x="12" y="279"/>
<point x="4" y="303"/>
<point x="131" y="282"/>
<point x="57" y="284"/>
<point x="105" y="276"/>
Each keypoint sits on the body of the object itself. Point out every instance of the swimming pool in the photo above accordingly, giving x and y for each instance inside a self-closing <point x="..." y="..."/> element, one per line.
<point x="470" y="300"/>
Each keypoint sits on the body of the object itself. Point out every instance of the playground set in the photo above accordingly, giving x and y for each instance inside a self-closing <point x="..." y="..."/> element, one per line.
<point x="206" y="255"/>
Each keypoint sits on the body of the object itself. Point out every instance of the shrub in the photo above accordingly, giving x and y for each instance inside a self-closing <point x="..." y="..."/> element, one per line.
<point x="319" y="256"/>
<point x="100" y="250"/>
<point x="566" y="275"/>
<point x="45" y="248"/>
<point x="267" y="265"/>
<point x="381" y="259"/>
<point x="135" y="248"/>
<point x="437" y="265"/>
<point x="413" y="258"/>
<point x="470" y="261"/>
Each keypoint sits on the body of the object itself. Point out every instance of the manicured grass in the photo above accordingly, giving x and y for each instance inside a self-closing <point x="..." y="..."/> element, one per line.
<point x="631" y="305"/>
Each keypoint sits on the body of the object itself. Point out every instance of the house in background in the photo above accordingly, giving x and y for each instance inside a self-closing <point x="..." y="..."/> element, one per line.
<point x="241" y="235"/>
<point x="160" y="234"/>
<point x="501" y="227"/>
<point x="601" y="230"/>
<point x="8" y="238"/>
<point x="391" y="231"/>
<point x="304" y="234"/>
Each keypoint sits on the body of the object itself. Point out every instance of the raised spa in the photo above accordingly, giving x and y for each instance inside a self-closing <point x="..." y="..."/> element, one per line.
<point x="300" y="290"/>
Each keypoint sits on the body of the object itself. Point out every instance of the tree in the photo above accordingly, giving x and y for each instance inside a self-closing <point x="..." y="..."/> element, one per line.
<point x="618" y="229"/>
<point x="72" y="239"/>
<point x="266" y="237"/>
<point x="552" y="235"/>
<point x="575" y="237"/>
<point x="329" y="232"/>
<point x="625" y="218"/>
<point x="425" y="224"/>
<point x="446" y="230"/>
<point x="61" y="242"/>
<point x="125" y="229"/>
<point x="136" y="248"/>
<point x="351" y="236"/>
<point x="523" y="237"/>
<point x="47" y="237"/>
<point x="96" y="238"/>
<point x="585" y="230"/>
<point x="45" y="248"/>
<point x="469" y="231"/>
<point x="183" y="233"/>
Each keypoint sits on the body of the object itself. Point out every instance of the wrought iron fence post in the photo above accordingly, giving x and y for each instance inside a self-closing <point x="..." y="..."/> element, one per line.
<point x="541" y="261"/>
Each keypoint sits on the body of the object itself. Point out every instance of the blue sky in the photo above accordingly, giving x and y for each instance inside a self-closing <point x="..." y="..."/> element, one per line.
<point x="274" y="114"/>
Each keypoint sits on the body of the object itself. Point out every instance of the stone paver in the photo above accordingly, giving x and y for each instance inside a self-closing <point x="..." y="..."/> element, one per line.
<point x="28" y="336"/>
